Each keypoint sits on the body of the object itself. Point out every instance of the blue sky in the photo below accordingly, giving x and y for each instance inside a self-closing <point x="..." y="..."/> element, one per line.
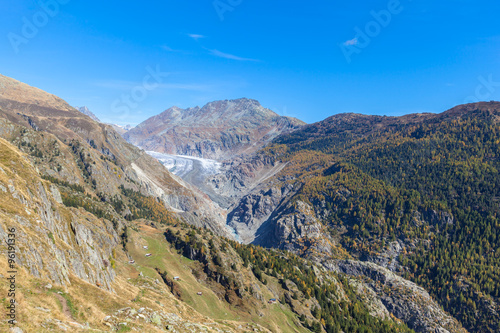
<point x="403" y="56"/>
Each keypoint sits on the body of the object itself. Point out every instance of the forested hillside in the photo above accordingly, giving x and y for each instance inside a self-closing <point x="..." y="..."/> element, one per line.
<point x="322" y="300"/>
<point x="429" y="183"/>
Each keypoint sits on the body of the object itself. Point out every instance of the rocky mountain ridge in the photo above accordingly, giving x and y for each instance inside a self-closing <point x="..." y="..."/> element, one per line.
<point x="218" y="130"/>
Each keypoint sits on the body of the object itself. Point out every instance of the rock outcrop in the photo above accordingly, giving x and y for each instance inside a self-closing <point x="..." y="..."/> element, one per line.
<point x="390" y="293"/>
<point x="53" y="241"/>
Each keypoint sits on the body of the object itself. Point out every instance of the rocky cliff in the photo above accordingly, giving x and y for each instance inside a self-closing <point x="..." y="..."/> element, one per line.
<point x="54" y="241"/>
<point x="389" y="293"/>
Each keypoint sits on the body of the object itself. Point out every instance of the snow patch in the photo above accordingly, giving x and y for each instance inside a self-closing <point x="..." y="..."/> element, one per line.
<point x="181" y="165"/>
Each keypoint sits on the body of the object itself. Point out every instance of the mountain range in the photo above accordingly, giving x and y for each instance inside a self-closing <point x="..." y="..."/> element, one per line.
<point x="355" y="223"/>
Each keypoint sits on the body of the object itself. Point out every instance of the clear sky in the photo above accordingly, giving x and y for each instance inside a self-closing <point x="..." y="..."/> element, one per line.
<point x="308" y="59"/>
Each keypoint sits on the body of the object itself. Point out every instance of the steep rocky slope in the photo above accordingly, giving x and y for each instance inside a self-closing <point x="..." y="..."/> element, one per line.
<point x="69" y="264"/>
<point x="70" y="147"/>
<point x="54" y="241"/>
<point x="416" y="194"/>
<point x="391" y="294"/>
<point x="219" y="130"/>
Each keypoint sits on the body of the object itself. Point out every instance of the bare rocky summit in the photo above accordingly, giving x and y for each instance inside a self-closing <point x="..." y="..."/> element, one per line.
<point x="85" y="110"/>
<point x="219" y="130"/>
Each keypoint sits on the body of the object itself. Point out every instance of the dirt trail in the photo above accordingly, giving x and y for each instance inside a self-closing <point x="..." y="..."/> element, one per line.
<point x="65" y="307"/>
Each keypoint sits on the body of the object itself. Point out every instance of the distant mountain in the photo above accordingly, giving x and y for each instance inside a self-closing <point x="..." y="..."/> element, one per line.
<point x="87" y="112"/>
<point x="118" y="128"/>
<point x="121" y="129"/>
<point x="218" y="130"/>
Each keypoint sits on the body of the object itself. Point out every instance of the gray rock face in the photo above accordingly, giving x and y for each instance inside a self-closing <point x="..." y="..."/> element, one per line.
<point x="404" y="299"/>
<point x="56" y="194"/>
<point x="53" y="241"/>
<point x="439" y="217"/>
<point x="240" y="176"/>
<point x="253" y="210"/>
<point x="296" y="228"/>
<point x="219" y="130"/>
<point x="389" y="257"/>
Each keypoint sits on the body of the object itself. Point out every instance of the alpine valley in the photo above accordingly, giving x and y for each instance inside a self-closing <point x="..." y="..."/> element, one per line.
<point x="232" y="218"/>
